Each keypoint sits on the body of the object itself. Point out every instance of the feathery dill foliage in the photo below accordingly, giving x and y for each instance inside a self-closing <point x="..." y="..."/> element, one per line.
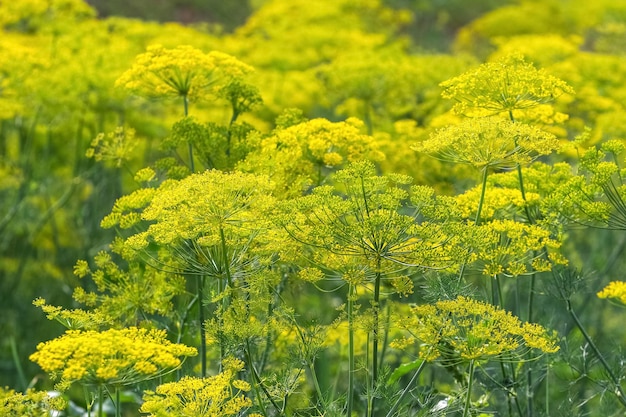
<point x="219" y="395"/>
<point x="467" y="329"/>
<point x="111" y="357"/>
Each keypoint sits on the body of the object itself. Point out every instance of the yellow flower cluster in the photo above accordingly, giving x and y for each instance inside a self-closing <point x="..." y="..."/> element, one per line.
<point x="198" y="206"/>
<point x="498" y="202"/>
<point x="110" y="357"/>
<point x="296" y="157"/>
<point x="489" y="142"/>
<point x="216" y="396"/>
<point x="180" y="72"/>
<point x="615" y="290"/>
<point x="115" y="147"/>
<point x="30" y="404"/>
<point x="513" y="248"/>
<point x="506" y="85"/>
<point x="464" y="329"/>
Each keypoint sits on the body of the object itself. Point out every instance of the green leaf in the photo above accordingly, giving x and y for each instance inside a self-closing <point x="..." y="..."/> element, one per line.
<point x="404" y="369"/>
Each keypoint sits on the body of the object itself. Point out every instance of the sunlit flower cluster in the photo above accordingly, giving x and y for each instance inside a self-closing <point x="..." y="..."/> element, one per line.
<point x="219" y="395"/>
<point x="180" y="72"/>
<point x="29" y="404"/>
<point x="489" y="142"/>
<point x="507" y="85"/>
<point x="615" y="290"/>
<point x="299" y="156"/>
<point x="110" y="357"/>
<point x="464" y="329"/>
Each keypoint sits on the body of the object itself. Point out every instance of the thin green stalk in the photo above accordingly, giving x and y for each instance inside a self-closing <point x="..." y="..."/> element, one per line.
<point x="406" y="389"/>
<point x="88" y="402"/>
<point x="482" y="195"/>
<point x="201" y="319"/>
<point x="257" y="383"/>
<point x="189" y="145"/>
<point x="375" y="338"/>
<point x="118" y="405"/>
<point x="350" y="397"/>
<point x="100" y="400"/>
<point x="468" y="398"/>
<point x="620" y="392"/>
<point x="18" y="364"/>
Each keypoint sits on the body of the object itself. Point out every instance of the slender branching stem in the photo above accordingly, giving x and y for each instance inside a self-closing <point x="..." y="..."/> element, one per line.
<point x="350" y="395"/>
<point x="200" y="292"/>
<point x="619" y="392"/>
<point x="406" y="389"/>
<point x="482" y="195"/>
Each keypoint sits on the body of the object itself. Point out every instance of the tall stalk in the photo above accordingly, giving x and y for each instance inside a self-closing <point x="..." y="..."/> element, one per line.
<point x="350" y="396"/>
<point x="192" y="167"/>
<point x="468" y="398"/>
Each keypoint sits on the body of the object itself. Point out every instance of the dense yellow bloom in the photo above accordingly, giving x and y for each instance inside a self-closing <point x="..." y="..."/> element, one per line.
<point x="615" y="290"/>
<point x="506" y="85"/>
<point x="489" y="142"/>
<point x="216" y="396"/>
<point x="111" y="357"/>
<point x="465" y="329"/>
<point x="180" y="72"/>
<point x="512" y="248"/>
<point x="30" y="404"/>
<point x="498" y="202"/>
<point x="299" y="156"/>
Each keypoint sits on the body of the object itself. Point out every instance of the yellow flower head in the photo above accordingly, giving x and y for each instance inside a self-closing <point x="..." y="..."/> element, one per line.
<point x="180" y="72"/>
<point x="489" y="142"/>
<point x="616" y="290"/>
<point x="111" y="357"/>
<point x="219" y="395"/>
<point x="505" y="85"/>
<point x="465" y="329"/>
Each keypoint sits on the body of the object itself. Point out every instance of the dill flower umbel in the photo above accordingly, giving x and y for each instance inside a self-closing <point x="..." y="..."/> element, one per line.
<point x="216" y="396"/>
<point x="507" y="85"/>
<point x="111" y="357"/>
<point x="467" y="329"/>
<point x="616" y="290"/>
<point x="180" y="72"/>
<point x="489" y="142"/>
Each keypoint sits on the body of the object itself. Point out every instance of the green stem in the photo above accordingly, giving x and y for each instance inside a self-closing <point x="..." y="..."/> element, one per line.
<point x="375" y="338"/>
<point x="468" y="398"/>
<point x="100" y="400"/>
<point x="189" y="144"/>
<point x="118" y="405"/>
<point x="201" y="319"/>
<point x="18" y="364"/>
<point x="482" y="196"/>
<point x="257" y="383"/>
<point x="88" y="402"/>
<point x="618" y="387"/>
<point x="405" y="390"/>
<point x="350" y="398"/>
